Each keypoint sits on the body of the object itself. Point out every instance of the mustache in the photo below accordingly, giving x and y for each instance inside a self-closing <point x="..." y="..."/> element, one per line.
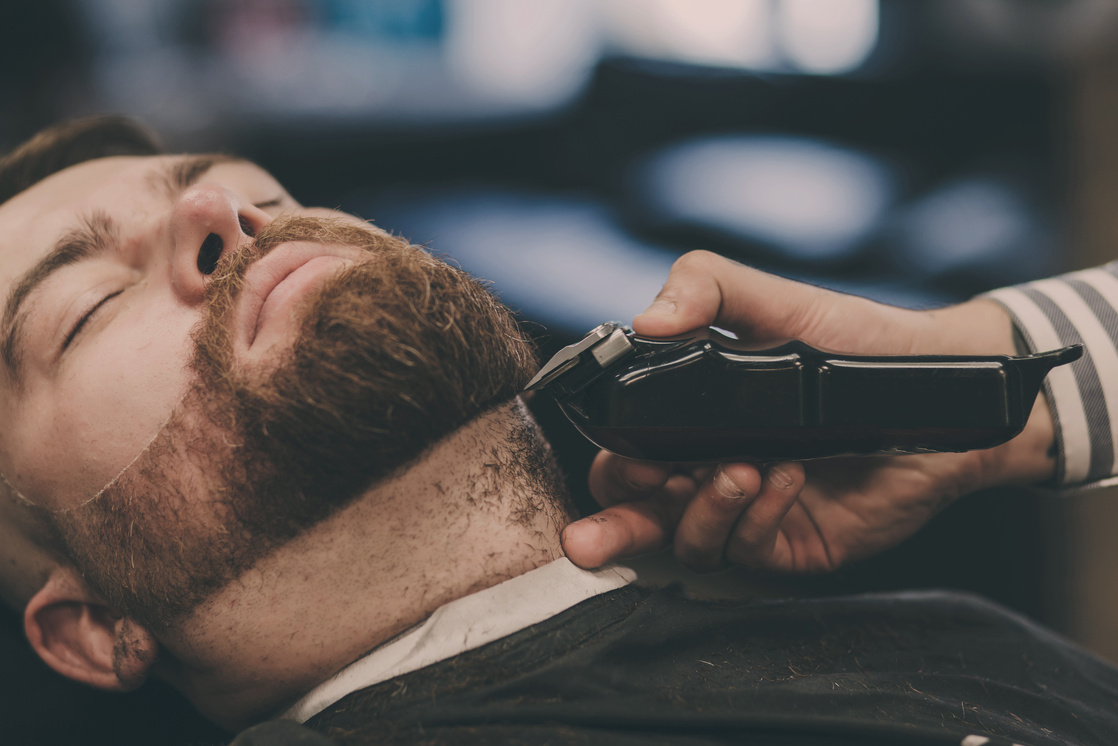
<point x="228" y="277"/>
<point x="212" y="336"/>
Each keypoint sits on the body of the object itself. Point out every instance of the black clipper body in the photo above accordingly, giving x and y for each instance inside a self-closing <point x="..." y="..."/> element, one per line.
<point x="707" y="398"/>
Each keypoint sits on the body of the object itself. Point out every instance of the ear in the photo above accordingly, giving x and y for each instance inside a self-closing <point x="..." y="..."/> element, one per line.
<point x="82" y="638"/>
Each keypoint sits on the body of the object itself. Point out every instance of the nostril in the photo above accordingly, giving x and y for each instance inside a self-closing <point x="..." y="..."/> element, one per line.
<point x="246" y="227"/>
<point x="210" y="253"/>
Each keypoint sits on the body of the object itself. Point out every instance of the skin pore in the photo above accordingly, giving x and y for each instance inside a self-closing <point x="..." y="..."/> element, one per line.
<point x="328" y="450"/>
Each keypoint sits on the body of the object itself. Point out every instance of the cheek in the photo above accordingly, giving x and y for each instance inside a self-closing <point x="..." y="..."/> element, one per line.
<point x="115" y="397"/>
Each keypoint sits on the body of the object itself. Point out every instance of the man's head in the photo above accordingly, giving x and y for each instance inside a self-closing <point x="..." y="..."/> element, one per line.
<point x="196" y="369"/>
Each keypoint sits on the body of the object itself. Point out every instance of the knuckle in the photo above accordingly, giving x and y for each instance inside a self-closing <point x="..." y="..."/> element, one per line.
<point x="695" y="259"/>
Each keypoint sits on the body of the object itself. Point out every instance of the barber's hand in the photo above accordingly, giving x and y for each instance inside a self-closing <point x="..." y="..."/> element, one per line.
<point x="818" y="515"/>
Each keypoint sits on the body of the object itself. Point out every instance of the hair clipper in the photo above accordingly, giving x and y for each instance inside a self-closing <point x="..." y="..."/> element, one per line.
<point x="709" y="398"/>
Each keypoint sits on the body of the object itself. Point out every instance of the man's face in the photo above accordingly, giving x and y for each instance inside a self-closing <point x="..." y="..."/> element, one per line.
<point x="209" y="410"/>
<point x="100" y="271"/>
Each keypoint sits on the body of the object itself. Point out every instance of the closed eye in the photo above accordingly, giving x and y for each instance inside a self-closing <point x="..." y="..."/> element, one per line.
<point x="85" y="319"/>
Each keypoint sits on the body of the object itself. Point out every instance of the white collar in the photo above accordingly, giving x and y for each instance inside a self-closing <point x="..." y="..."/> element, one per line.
<point x="467" y="623"/>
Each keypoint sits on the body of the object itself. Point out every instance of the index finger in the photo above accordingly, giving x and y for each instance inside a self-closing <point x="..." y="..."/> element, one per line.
<point x="614" y="479"/>
<point x="628" y="529"/>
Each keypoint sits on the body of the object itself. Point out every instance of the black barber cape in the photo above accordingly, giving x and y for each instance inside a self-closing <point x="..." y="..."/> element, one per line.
<point x="635" y="666"/>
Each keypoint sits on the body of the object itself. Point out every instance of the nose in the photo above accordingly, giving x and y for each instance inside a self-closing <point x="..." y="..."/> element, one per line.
<point x="208" y="221"/>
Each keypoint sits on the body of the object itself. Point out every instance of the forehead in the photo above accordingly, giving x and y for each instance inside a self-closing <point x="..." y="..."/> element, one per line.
<point x="32" y="219"/>
<point x="46" y="204"/>
<point x="76" y="182"/>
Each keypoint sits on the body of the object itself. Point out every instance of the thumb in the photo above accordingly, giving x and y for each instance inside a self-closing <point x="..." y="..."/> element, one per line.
<point x="705" y="289"/>
<point x="624" y="530"/>
<point x="690" y="298"/>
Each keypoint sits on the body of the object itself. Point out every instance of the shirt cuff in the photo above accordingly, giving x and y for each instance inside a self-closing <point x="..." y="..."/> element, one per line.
<point x="1076" y="308"/>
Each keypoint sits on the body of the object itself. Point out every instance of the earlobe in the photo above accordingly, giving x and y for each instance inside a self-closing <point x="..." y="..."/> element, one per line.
<point x="80" y="637"/>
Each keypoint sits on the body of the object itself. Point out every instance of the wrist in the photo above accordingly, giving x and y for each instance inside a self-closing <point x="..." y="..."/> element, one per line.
<point x="1029" y="458"/>
<point x="984" y="327"/>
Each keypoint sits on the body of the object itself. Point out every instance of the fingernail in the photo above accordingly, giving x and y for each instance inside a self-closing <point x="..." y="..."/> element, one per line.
<point x="725" y="486"/>
<point x="779" y="477"/>
<point x="661" y="307"/>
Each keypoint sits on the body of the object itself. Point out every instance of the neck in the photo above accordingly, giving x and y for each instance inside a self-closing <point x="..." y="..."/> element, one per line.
<point x="461" y="519"/>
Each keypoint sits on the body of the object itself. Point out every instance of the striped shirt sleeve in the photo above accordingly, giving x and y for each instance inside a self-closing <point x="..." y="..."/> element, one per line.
<point x="1076" y="308"/>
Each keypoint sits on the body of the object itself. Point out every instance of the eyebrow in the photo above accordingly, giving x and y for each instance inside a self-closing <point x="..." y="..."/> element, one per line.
<point x="95" y="234"/>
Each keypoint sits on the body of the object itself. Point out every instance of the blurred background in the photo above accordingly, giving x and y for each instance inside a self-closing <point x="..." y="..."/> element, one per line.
<point x="569" y="150"/>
